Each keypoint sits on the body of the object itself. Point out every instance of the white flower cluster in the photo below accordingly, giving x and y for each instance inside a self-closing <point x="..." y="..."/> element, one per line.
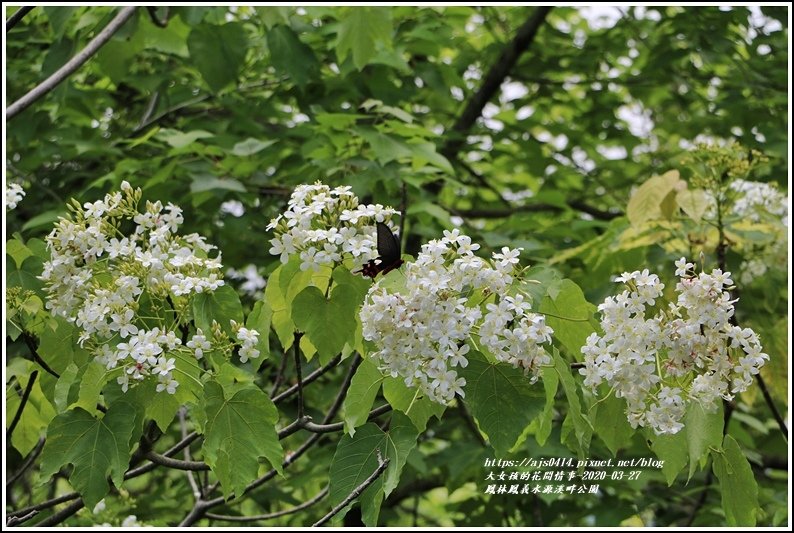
<point x="422" y="331"/>
<point x="688" y="351"/>
<point x="112" y="259"/>
<point x="324" y="226"/>
<point x="14" y="195"/>
<point x="754" y="198"/>
<point x="759" y="202"/>
<point x="252" y="281"/>
<point x="248" y="339"/>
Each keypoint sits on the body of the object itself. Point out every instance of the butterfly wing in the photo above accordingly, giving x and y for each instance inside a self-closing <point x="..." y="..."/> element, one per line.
<point x="388" y="246"/>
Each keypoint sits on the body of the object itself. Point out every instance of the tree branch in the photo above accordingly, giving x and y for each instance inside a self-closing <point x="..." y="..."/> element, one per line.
<point x="768" y="398"/>
<point x="269" y="516"/>
<point x="22" y="403"/>
<point x="384" y="463"/>
<point x="26" y="464"/>
<point x="311" y="377"/>
<point x="18" y="15"/>
<point x="72" y="65"/>
<point x="493" y="81"/>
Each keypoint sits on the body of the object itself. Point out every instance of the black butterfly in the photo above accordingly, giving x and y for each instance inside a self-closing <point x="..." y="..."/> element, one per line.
<point x="389" y="253"/>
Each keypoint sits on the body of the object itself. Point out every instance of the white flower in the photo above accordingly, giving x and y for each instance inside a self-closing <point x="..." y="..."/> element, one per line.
<point x="692" y="337"/>
<point x="423" y="332"/>
<point x="14" y="195"/>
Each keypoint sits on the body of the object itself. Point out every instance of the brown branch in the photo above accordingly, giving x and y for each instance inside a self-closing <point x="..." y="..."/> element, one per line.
<point x="269" y="516"/>
<point x="768" y="398"/>
<point x="72" y="65"/>
<point x="308" y="379"/>
<point x="534" y="208"/>
<point x="160" y="23"/>
<point x="17" y="15"/>
<point x="26" y="464"/>
<point x="29" y="342"/>
<point x="493" y="81"/>
<point x="384" y="463"/>
<point x="22" y="403"/>
<point x="61" y="515"/>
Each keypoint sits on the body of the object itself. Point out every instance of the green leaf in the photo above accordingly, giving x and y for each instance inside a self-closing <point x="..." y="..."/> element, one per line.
<point x="93" y="380"/>
<point x="240" y="429"/>
<point x="385" y="147"/>
<point x="291" y="56"/>
<point x="251" y="146"/>
<point x="328" y="324"/>
<point x="360" y="396"/>
<point x="356" y="458"/>
<point x="611" y="424"/>
<point x="64" y="385"/>
<point x="259" y="319"/>
<point x="59" y="346"/>
<point x="218" y="52"/>
<point x="672" y="449"/>
<point x="425" y="152"/>
<point x="501" y="399"/>
<point x="35" y="417"/>
<point x="97" y="447"/>
<point x="582" y="430"/>
<point x="408" y="401"/>
<point x="18" y="251"/>
<point x="545" y="420"/>
<point x="694" y="202"/>
<point x="646" y="202"/>
<point x="360" y="30"/>
<point x="737" y="484"/>
<point x="201" y="182"/>
<point x="570" y="315"/>
<point x="221" y="305"/>
<point x="277" y="299"/>
<point x="703" y="431"/>
<point x="180" y="139"/>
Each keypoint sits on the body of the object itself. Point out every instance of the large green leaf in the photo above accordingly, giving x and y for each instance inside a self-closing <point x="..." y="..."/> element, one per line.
<point x="611" y="424"/>
<point x="356" y="458"/>
<point x="703" y="431"/>
<point x="672" y="449"/>
<point x="551" y="382"/>
<point x="576" y="424"/>
<point x="218" y="52"/>
<point x="647" y="202"/>
<point x="501" y="399"/>
<point x="240" y="429"/>
<point x="328" y="323"/>
<point x="97" y="447"/>
<point x="363" y="389"/>
<point x="221" y="305"/>
<point x="737" y="484"/>
<point x="360" y="30"/>
<point x="290" y="56"/>
<point x="570" y="315"/>
<point x="410" y="401"/>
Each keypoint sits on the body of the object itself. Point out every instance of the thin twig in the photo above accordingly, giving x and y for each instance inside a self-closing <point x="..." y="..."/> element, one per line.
<point x="493" y="80"/>
<point x="308" y="425"/>
<point x="61" y="515"/>
<point x="311" y="377"/>
<point x="31" y="344"/>
<point x="778" y="418"/>
<point x="186" y="454"/>
<point x="22" y="403"/>
<point x="177" y="464"/>
<point x="26" y="464"/>
<point x="356" y="492"/>
<point x="72" y="65"/>
<point x="269" y="516"/>
<point x="296" y="346"/>
<point x="17" y="15"/>
<point x="282" y="368"/>
<point x="340" y="396"/>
